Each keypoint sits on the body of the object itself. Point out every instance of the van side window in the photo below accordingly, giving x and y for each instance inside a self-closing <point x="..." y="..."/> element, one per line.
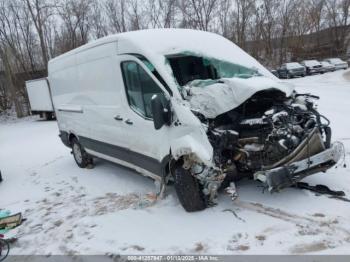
<point x="140" y="88"/>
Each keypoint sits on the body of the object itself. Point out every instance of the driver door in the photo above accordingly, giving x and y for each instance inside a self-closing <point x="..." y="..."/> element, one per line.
<point x="148" y="146"/>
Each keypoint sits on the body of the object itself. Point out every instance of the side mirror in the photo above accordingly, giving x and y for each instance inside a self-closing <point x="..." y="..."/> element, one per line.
<point x="161" y="114"/>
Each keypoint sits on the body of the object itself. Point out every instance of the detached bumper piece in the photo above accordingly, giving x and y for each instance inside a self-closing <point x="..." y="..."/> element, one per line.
<point x="320" y="189"/>
<point x="284" y="176"/>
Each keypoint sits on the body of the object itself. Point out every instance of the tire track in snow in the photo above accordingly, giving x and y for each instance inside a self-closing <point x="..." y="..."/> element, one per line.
<point x="327" y="227"/>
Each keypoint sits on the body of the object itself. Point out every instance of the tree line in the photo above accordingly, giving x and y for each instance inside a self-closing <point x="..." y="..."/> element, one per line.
<point x="34" y="31"/>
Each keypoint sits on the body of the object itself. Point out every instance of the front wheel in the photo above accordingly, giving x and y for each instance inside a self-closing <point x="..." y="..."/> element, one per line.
<point x="188" y="190"/>
<point x="80" y="156"/>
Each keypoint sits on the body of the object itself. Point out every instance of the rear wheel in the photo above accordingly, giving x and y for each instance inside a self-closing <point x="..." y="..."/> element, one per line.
<point x="188" y="190"/>
<point x="48" y="116"/>
<point x="80" y="156"/>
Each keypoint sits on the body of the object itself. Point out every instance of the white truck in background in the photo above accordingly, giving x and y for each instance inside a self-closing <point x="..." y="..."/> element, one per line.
<point x="40" y="98"/>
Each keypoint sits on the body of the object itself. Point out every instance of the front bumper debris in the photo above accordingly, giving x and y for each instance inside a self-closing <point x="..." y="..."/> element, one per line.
<point x="284" y="176"/>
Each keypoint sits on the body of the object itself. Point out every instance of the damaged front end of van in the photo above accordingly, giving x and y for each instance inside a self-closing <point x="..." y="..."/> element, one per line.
<point x="251" y="126"/>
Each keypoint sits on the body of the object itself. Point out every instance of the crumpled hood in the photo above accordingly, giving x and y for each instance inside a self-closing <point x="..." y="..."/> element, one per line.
<point x="217" y="98"/>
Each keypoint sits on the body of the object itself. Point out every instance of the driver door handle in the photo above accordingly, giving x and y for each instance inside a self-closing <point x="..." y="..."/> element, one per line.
<point x="118" y="117"/>
<point x="128" y="121"/>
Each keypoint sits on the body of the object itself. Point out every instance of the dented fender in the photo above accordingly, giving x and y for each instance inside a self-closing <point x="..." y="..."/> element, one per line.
<point x="188" y="135"/>
<point x="190" y="144"/>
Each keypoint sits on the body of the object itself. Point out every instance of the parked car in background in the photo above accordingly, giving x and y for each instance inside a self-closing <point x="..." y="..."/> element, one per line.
<point x="290" y="70"/>
<point x="338" y="63"/>
<point x="274" y="72"/>
<point x="327" y="67"/>
<point x="312" y="67"/>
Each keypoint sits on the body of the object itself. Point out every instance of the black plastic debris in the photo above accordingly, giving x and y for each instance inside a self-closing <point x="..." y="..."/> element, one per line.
<point x="320" y="189"/>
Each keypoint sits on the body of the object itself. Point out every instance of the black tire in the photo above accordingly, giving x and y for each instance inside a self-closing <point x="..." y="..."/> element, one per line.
<point x="188" y="190"/>
<point x="4" y="249"/>
<point x="48" y="116"/>
<point x="80" y="156"/>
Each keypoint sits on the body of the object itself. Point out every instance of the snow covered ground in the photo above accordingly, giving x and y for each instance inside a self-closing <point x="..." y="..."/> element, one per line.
<point x="105" y="210"/>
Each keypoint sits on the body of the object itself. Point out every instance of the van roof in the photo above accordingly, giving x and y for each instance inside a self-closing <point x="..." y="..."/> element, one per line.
<point x="156" y="43"/>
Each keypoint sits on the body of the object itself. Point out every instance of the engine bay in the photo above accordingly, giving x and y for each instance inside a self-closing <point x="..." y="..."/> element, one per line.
<point x="264" y="131"/>
<point x="257" y="127"/>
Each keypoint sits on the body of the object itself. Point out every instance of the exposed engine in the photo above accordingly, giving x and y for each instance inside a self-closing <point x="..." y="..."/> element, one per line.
<point x="265" y="130"/>
<point x="257" y="128"/>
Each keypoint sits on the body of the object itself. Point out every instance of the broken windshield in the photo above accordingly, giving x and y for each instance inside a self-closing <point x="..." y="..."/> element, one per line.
<point x="187" y="68"/>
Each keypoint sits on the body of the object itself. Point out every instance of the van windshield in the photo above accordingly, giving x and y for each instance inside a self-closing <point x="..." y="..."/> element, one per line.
<point x="187" y="68"/>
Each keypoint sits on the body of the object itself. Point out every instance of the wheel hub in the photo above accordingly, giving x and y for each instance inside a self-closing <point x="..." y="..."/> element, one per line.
<point x="77" y="153"/>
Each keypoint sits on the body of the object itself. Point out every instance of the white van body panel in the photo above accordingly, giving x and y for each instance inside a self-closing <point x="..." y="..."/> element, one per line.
<point x="190" y="137"/>
<point x="79" y="84"/>
<point x="105" y="94"/>
<point x="39" y="95"/>
<point x="88" y="94"/>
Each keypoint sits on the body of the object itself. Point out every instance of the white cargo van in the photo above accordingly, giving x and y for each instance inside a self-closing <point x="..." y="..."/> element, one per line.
<point x="40" y="98"/>
<point x="187" y="106"/>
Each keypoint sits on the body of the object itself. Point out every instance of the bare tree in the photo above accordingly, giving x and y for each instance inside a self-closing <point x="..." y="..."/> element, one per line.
<point x="137" y="18"/>
<point x="75" y="29"/>
<point x="198" y="14"/>
<point x="5" y="101"/>
<point x="286" y="12"/>
<point x="244" y="10"/>
<point x="97" y="21"/>
<point x="301" y="24"/>
<point x="269" y="23"/>
<point x="116" y="13"/>
<point x="161" y="13"/>
<point x="316" y="13"/>
<point x="40" y="11"/>
<point x="225" y="18"/>
<point x="18" y="43"/>
<point x="274" y="31"/>
<point x="338" y="20"/>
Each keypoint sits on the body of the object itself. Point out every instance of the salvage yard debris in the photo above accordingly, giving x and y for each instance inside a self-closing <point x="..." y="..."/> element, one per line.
<point x="9" y="222"/>
<point x="320" y="189"/>
<point x="4" y="248"/>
